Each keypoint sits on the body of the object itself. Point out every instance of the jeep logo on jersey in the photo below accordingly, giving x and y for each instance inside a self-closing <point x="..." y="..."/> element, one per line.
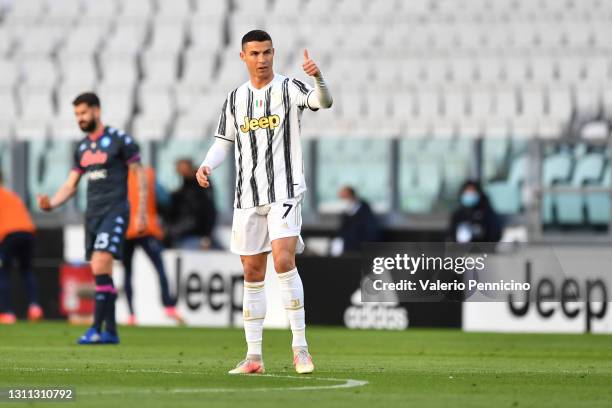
<point x="262" y="123"/>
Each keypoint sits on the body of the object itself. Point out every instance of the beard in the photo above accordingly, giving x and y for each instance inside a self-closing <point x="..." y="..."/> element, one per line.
<point x="88" y="126"/>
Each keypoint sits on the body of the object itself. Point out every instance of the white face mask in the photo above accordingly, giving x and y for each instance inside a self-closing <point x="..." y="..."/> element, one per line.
<point x="347" y="204"/>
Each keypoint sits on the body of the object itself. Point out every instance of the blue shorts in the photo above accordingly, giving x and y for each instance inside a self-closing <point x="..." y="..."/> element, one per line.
<point x="106" y="233"/>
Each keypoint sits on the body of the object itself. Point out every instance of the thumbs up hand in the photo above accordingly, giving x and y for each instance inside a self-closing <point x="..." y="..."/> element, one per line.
<point x="310" y="68"/>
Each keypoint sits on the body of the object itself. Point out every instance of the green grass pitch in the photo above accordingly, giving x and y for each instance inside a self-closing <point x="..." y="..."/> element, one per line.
<point x="181" y="367"/>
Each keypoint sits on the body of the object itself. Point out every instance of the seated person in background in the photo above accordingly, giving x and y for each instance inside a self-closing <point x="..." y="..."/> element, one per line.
<point x="475" y="220"/>
<point x="149" y="239"/>
<point x="358" y="223"/>
<point x="192" y="215"/>
<point x="16" y="243"/>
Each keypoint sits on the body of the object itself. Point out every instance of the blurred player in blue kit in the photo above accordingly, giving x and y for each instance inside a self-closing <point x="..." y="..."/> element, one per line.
<point x="104" y="155"/>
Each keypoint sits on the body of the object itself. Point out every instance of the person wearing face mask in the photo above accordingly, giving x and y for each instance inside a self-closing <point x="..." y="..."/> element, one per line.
<point x="474" y="220"/>
<point x="192" y="215"/>
<point x="358" y="223"/>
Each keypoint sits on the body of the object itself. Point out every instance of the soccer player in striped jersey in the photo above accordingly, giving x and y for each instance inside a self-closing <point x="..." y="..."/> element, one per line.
<point x="261" y="120"/>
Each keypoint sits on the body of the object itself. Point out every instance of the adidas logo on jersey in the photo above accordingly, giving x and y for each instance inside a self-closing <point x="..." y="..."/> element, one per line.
<point x="262" y="123"/>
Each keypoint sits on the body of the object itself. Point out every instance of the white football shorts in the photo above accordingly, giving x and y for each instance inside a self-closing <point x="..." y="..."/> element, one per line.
<point x="253" y="229"/>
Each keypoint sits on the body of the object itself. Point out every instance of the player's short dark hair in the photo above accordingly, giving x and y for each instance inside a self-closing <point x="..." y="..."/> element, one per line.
<point x="351" y="191"/>
<point x="185" y="160"/>
<point x="88" y="98"/>
<point x="256" y="35"/>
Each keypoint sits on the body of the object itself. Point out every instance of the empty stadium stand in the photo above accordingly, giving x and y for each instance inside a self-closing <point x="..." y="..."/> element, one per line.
<point x="427" y="93"/>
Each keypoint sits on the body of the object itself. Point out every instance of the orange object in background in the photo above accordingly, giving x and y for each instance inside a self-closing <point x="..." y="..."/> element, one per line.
<point x="14" y="216"/>
<point x="77" y="291"/>
<point x="153" y="227"/>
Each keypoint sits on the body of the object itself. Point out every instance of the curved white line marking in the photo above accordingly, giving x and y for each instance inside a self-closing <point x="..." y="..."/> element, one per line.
<point x="345" y="382"/>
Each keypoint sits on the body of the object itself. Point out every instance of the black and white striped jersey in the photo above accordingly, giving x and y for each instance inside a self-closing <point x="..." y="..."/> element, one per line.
<point x="264" y="125"/>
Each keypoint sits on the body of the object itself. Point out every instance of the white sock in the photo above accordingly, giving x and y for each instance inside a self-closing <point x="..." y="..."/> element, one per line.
<point x="253" y="314"/>
<point x="292" y="293"/>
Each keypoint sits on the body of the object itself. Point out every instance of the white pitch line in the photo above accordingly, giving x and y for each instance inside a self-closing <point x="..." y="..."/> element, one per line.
<point x="345" y="382"/>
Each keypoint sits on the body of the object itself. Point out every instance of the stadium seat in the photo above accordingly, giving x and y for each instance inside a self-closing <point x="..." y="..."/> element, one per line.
<point x="482" y="103"/>
<point x="167" y="36"/>
<point x="506" y="195"/>
<point x="560" y="103"/>
<point x="117" y="104"/>
<point x="378" y="9"/>
<point x="570" y="70"/>
<point x="126" y="41"/>
<point x="119" y="72"/>
<point x="160" y="69"/>
<point x="497" y="38"/>
<point x="11" y="75"/>
<point x="462" y="70"/>
<point x="252" y="7"/>
<point x="318" y="8"/>
<point x="378" y="106"/>
<point x="411" y="71"/>
<point x="205" y="35"/>
<point x="9" y="106"/>
<point x="136" y="8"/>
<point x="523" y="36"/>
<point x="231" y="73"/>
<point x="7" y="41"/>
<point x="79" y="72"/>
<point x="587" y="101"/>
<point x="210" y="9"/>
<point x="198" y="69"/>
<point x="570" y="206"/>
<point x="556" y="170"/>
<point x="349" y="154"/>
<point x="578" y="35"/>
<point x="40" y="74"/>
<point x="287" y="7"/>
<point x="416" y="8"/>
<point x="175" y="8"/>
<point x="85" y="40"/>
<point x="542" y="70"/>
<point x="549" y="36"/>
<point x="495" y="152"/>
<point x="420" y="186"/>
<point x="156" y="109"/>
<point x="27" y="9"/>
<point x="532" y="102"/>
<point x="40" y="42"/>
<point x="36" y="104"/>
<point x="455" y="104"/>
<point x="403" y="104"/>
<point x="598" y="204"/>
<point x="489" y="70"/>
<point x="345" y="68"/>
<point x="352" y="105"/>
<point x="64" y="10"/>
<point x="428" y="103"/>
<point x="506" y="106"/>
<point x="100" y="9"/>
<point x="597" y="70"/>
<point x="515" y="70"/>
<point x="469" y="38"/>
